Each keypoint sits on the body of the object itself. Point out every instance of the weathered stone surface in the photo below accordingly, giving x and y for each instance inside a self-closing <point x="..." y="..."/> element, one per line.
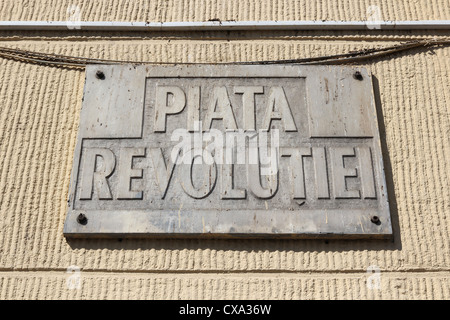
<point x="248" y="151"/>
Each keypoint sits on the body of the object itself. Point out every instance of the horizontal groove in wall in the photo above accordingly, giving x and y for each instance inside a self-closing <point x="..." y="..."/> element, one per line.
<point x="92" y="36"/>
<point x="217" y="286"/>
<point x="256" y="272"/>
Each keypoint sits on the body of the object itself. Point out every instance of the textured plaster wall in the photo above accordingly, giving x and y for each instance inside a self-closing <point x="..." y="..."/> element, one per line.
<point x="202" y="10"/>
<point x="39" y="114"/>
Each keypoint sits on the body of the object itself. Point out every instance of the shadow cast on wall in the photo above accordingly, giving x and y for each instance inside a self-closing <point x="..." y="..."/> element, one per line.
<point x="258" y="245"/>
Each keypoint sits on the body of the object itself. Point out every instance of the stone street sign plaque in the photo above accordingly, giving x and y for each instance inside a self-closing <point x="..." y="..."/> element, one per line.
<point x="228" y="151"/>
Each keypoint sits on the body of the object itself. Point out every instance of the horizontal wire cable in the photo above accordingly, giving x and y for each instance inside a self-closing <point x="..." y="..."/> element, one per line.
<point x="57" y="60"/>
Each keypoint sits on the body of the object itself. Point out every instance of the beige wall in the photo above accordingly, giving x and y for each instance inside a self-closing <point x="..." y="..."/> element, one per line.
<point x="39" y="114"/>
<point x="202" y="10"/>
